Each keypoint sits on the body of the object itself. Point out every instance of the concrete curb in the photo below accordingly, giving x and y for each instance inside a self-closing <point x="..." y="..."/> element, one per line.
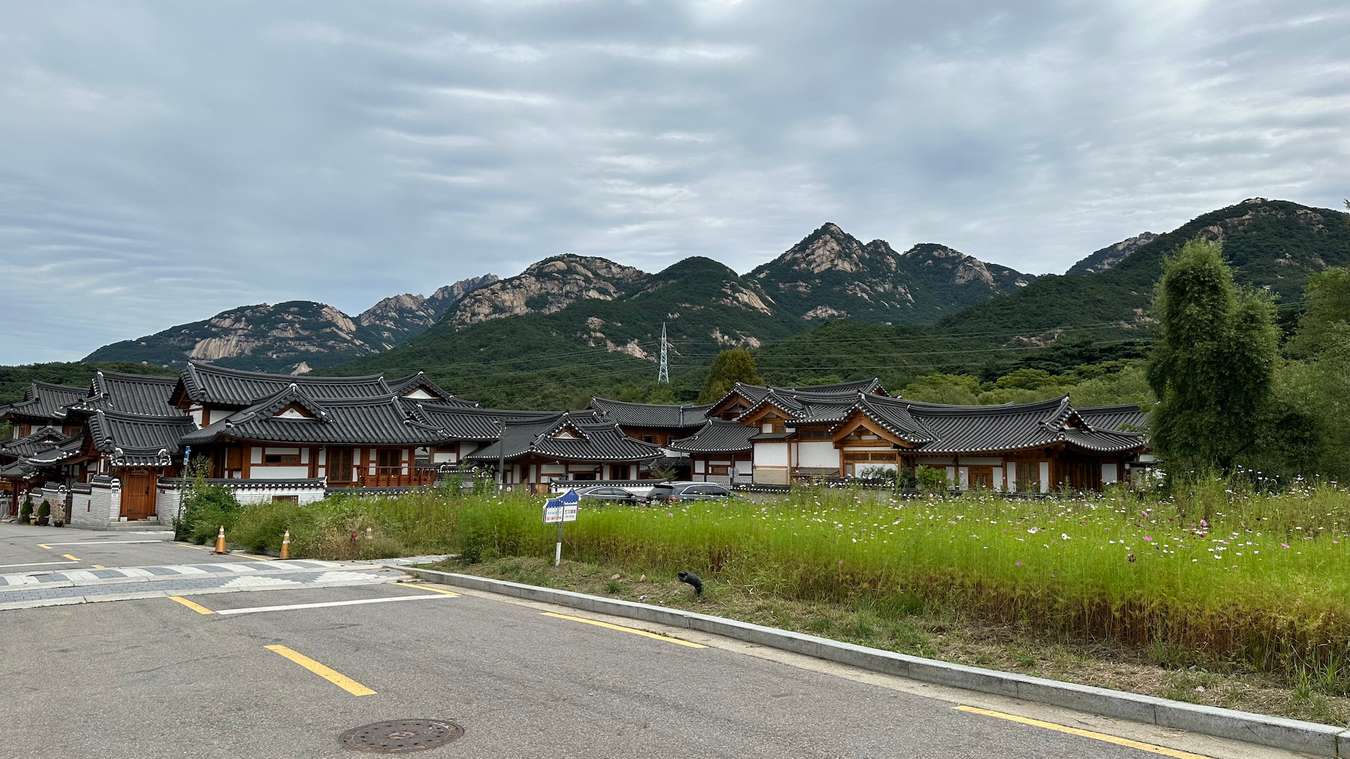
<point x="1296" y="735"/>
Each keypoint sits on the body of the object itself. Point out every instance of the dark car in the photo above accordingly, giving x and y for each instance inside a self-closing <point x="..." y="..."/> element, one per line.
<point x="677" y="492"/>
<point x="606" y="493"/>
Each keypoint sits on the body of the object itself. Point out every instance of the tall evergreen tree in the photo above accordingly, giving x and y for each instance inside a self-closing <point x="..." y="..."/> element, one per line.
<point x="730" y="367"/>
<point x="1213" y="365"/>
<point x="1326" y="314"/>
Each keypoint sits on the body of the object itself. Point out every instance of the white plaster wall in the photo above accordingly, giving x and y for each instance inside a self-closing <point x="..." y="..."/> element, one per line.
<point x="1012" y="476"/>
<point x="817" y="454"/>
<point x="278" y="472"/>
<point x="771" y="454"/>
<point x="1045" y="476"/>
<point x="699" y="466"/>
<point x="1109" y="473"/>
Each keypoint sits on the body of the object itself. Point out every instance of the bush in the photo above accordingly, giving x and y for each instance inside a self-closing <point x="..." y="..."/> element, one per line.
<point x="26" y="510"/>
<point x="932" y="479"/>
<point x="260" y="528"/>
<point x="206" y="509"/>
<point x="44" y="511"/>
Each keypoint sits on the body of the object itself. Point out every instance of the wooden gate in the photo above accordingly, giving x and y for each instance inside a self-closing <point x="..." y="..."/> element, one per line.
<point x="138" y="493"/>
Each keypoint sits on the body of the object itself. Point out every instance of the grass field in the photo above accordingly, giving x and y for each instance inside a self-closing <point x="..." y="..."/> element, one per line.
<point x="1209" y="578"/>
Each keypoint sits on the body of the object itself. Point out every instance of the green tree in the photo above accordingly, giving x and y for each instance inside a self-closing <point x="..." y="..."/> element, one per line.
<point x="943" y="388"/>
<point x="730" y="367"/>
<point x="1326" y="315"/>
<point x="1212" y="367"/>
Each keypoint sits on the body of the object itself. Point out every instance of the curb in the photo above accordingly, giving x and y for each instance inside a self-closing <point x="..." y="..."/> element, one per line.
<point x="1279" y="732"/>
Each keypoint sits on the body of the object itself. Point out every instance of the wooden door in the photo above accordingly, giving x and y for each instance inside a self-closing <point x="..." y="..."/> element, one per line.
<point x="980" y="477"/>
<point x="339" y="466"/>
<point x="138" y="493"/>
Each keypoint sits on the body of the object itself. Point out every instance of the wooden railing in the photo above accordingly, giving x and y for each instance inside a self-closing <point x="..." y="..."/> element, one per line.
<point x="392" y="477"/>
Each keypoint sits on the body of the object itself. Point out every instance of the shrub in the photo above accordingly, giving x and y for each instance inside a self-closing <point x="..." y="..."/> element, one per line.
<point x="206" y="509"/>
<point x="44" y="511"/>
<point x="26" y="510"/>
<point x="260" y="528"/>
<point x="932" y="479"/>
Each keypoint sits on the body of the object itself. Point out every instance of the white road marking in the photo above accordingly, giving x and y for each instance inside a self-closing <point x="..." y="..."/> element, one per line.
<point x="81" y="575"/>
<point x="325" y="604"/>
<point x="37" y="564"/>
<point x="187" y="569"/>
<point x="103" y="542"/>
<point x="240" y="567"/>
<point x="134" y="572"/>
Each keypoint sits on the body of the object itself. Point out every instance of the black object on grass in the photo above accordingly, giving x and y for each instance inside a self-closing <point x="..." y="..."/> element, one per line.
<point x="692" y="579"/>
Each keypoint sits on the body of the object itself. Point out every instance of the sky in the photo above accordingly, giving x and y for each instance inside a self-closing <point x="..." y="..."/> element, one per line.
<point x="163" y="161"/>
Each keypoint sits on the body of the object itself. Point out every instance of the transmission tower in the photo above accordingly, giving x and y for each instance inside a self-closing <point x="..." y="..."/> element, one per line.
<point x="663" y="371"/>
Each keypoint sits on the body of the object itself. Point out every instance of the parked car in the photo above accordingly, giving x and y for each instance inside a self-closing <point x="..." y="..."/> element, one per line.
<point x="607" y="493"/>
<point x="677" y="492"/>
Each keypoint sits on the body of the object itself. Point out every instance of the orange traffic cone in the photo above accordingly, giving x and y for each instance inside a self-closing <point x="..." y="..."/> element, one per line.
<point x="286" y="545"/>
<point x="220" y="541"/>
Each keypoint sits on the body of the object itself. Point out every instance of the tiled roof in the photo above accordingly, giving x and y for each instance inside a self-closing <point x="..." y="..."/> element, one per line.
<point x="1126" y="418"/>
<point x="137" y="440"/>
<point x="216" y="385"/>
<point x="480" y="424"/>
<point x="405" y="385"/>
<point x="130" y="394"/>
<point x="942" y="428"/>
<point x="717" y="436"/>
<point x="44" y="400"/>
<point x="652" y="414"/>
<point x="380" y="420"/>
<point x="41" y="438"/>
<point x="587" y="439"/>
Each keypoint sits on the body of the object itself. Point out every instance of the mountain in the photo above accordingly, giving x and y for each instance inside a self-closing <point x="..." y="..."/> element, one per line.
<point x="295" y="336"/>
<point x="546" y="287"/>
<point x="1098" y="311"/>
<point x="399" y="317"/>
<point x="1107" y="258"/>
<point x="572" y="317"/>
<point x="832" y="275"/>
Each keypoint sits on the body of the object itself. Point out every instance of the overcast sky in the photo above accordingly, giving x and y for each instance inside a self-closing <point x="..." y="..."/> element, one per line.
<point x="162" y="161"/>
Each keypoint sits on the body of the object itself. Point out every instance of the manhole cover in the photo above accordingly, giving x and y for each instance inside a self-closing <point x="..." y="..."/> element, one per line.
<point x="401" y="736"/>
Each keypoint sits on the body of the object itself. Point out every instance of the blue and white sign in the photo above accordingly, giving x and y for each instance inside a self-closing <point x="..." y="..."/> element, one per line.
<point x="562" y="509"/>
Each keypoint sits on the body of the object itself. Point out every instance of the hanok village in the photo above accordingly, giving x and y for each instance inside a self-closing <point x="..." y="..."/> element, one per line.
<point x="115" y="451"/>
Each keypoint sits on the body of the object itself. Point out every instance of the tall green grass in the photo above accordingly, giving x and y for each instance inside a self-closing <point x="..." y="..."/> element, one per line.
<point x="1258" y="579"/>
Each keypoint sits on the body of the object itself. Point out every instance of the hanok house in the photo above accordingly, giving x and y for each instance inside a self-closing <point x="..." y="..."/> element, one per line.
<point x="564" y="446"/>
<point x="43" y="405"/>
<point x="31" y="460"/>
<point x="136" y="450"/>
<point x="461" y="431"/>
<point x="653" y="423"/>
<point x="1028" y="448"/>
<point x="720" y="451"/>
<point x="312" y="432"/>
<point x="208" y="393"/>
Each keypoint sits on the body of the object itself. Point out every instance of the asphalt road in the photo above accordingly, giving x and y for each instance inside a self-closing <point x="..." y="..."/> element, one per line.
<point x="25" y="548"/>
<point x="157" y="678"/>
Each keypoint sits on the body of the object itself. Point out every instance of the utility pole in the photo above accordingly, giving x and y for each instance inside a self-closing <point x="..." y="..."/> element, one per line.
<point x="663" y="371"/>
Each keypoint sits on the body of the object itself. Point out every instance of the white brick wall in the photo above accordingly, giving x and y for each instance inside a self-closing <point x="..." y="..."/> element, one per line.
<point x="103" y="508"/>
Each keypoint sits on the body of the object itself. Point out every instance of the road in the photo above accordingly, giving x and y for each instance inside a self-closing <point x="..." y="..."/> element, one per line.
<point x="285" y="673"/>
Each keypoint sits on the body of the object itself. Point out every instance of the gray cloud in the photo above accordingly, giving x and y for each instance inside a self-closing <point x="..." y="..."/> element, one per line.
<point x="163" y="161"/>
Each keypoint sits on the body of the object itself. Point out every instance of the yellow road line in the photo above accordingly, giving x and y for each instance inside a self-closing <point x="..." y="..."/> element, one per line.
<point x="1103" y="737"/>
<point x="442" y="591"/>
<point x="251" y="556"/>
<point x="331" y="675"/>
<point x="69" y="556"/>
<point x="44" y="545"/>
<point x="99" y="566"/>
<point x="621" y="628"/>
<point x="193" y="605"/>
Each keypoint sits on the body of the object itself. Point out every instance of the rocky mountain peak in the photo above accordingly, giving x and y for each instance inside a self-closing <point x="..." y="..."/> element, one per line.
<point x="547" y="286"/>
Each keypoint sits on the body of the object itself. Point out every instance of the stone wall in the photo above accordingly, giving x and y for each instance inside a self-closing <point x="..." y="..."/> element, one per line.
<point x="104" y="506"/>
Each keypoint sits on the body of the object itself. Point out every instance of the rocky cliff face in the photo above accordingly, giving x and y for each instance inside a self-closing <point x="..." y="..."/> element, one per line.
<point x="831" y="275"/>
<point x="546" y="287"/>
<point x="395" y="319"/>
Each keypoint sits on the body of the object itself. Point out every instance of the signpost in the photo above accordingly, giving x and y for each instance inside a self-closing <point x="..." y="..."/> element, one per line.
<point x="559" y="510"/>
